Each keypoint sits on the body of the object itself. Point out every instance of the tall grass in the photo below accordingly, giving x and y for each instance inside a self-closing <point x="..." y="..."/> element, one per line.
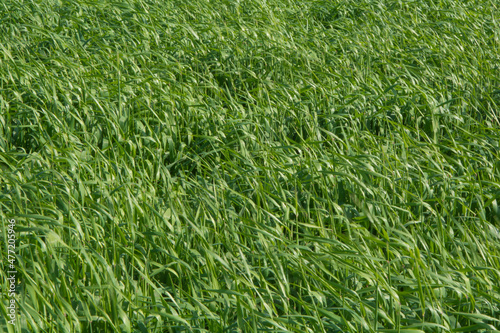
<point x="247" y="166"/>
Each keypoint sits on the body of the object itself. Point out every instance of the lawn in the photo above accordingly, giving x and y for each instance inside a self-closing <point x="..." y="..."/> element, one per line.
<point x="250" y="166"/>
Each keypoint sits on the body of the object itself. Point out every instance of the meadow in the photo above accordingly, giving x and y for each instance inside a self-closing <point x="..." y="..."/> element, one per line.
<point x="251" y="166"/>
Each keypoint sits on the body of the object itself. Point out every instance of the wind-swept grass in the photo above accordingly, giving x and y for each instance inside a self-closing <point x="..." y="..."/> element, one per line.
<point x="252" y="166"/>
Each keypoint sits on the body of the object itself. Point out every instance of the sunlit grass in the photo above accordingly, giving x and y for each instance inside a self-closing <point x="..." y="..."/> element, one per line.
<point x="247" y="166"/>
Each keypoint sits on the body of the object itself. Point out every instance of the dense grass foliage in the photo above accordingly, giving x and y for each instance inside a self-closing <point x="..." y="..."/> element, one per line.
<point x="252" y="166"/>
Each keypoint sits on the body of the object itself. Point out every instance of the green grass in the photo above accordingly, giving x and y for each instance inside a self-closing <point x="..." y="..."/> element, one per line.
<point x="252" y="166"/>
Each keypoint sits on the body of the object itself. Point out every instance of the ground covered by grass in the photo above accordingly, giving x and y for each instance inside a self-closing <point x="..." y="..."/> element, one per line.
<point x="251" y="166"/>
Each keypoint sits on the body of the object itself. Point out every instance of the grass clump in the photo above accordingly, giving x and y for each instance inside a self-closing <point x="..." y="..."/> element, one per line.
<point x="225" y="166"/>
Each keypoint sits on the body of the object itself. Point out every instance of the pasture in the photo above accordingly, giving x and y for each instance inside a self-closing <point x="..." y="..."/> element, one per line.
<point x="251" y="166"/>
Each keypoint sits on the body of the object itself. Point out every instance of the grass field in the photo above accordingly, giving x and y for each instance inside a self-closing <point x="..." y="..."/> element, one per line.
<point x="251" y="166"/>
